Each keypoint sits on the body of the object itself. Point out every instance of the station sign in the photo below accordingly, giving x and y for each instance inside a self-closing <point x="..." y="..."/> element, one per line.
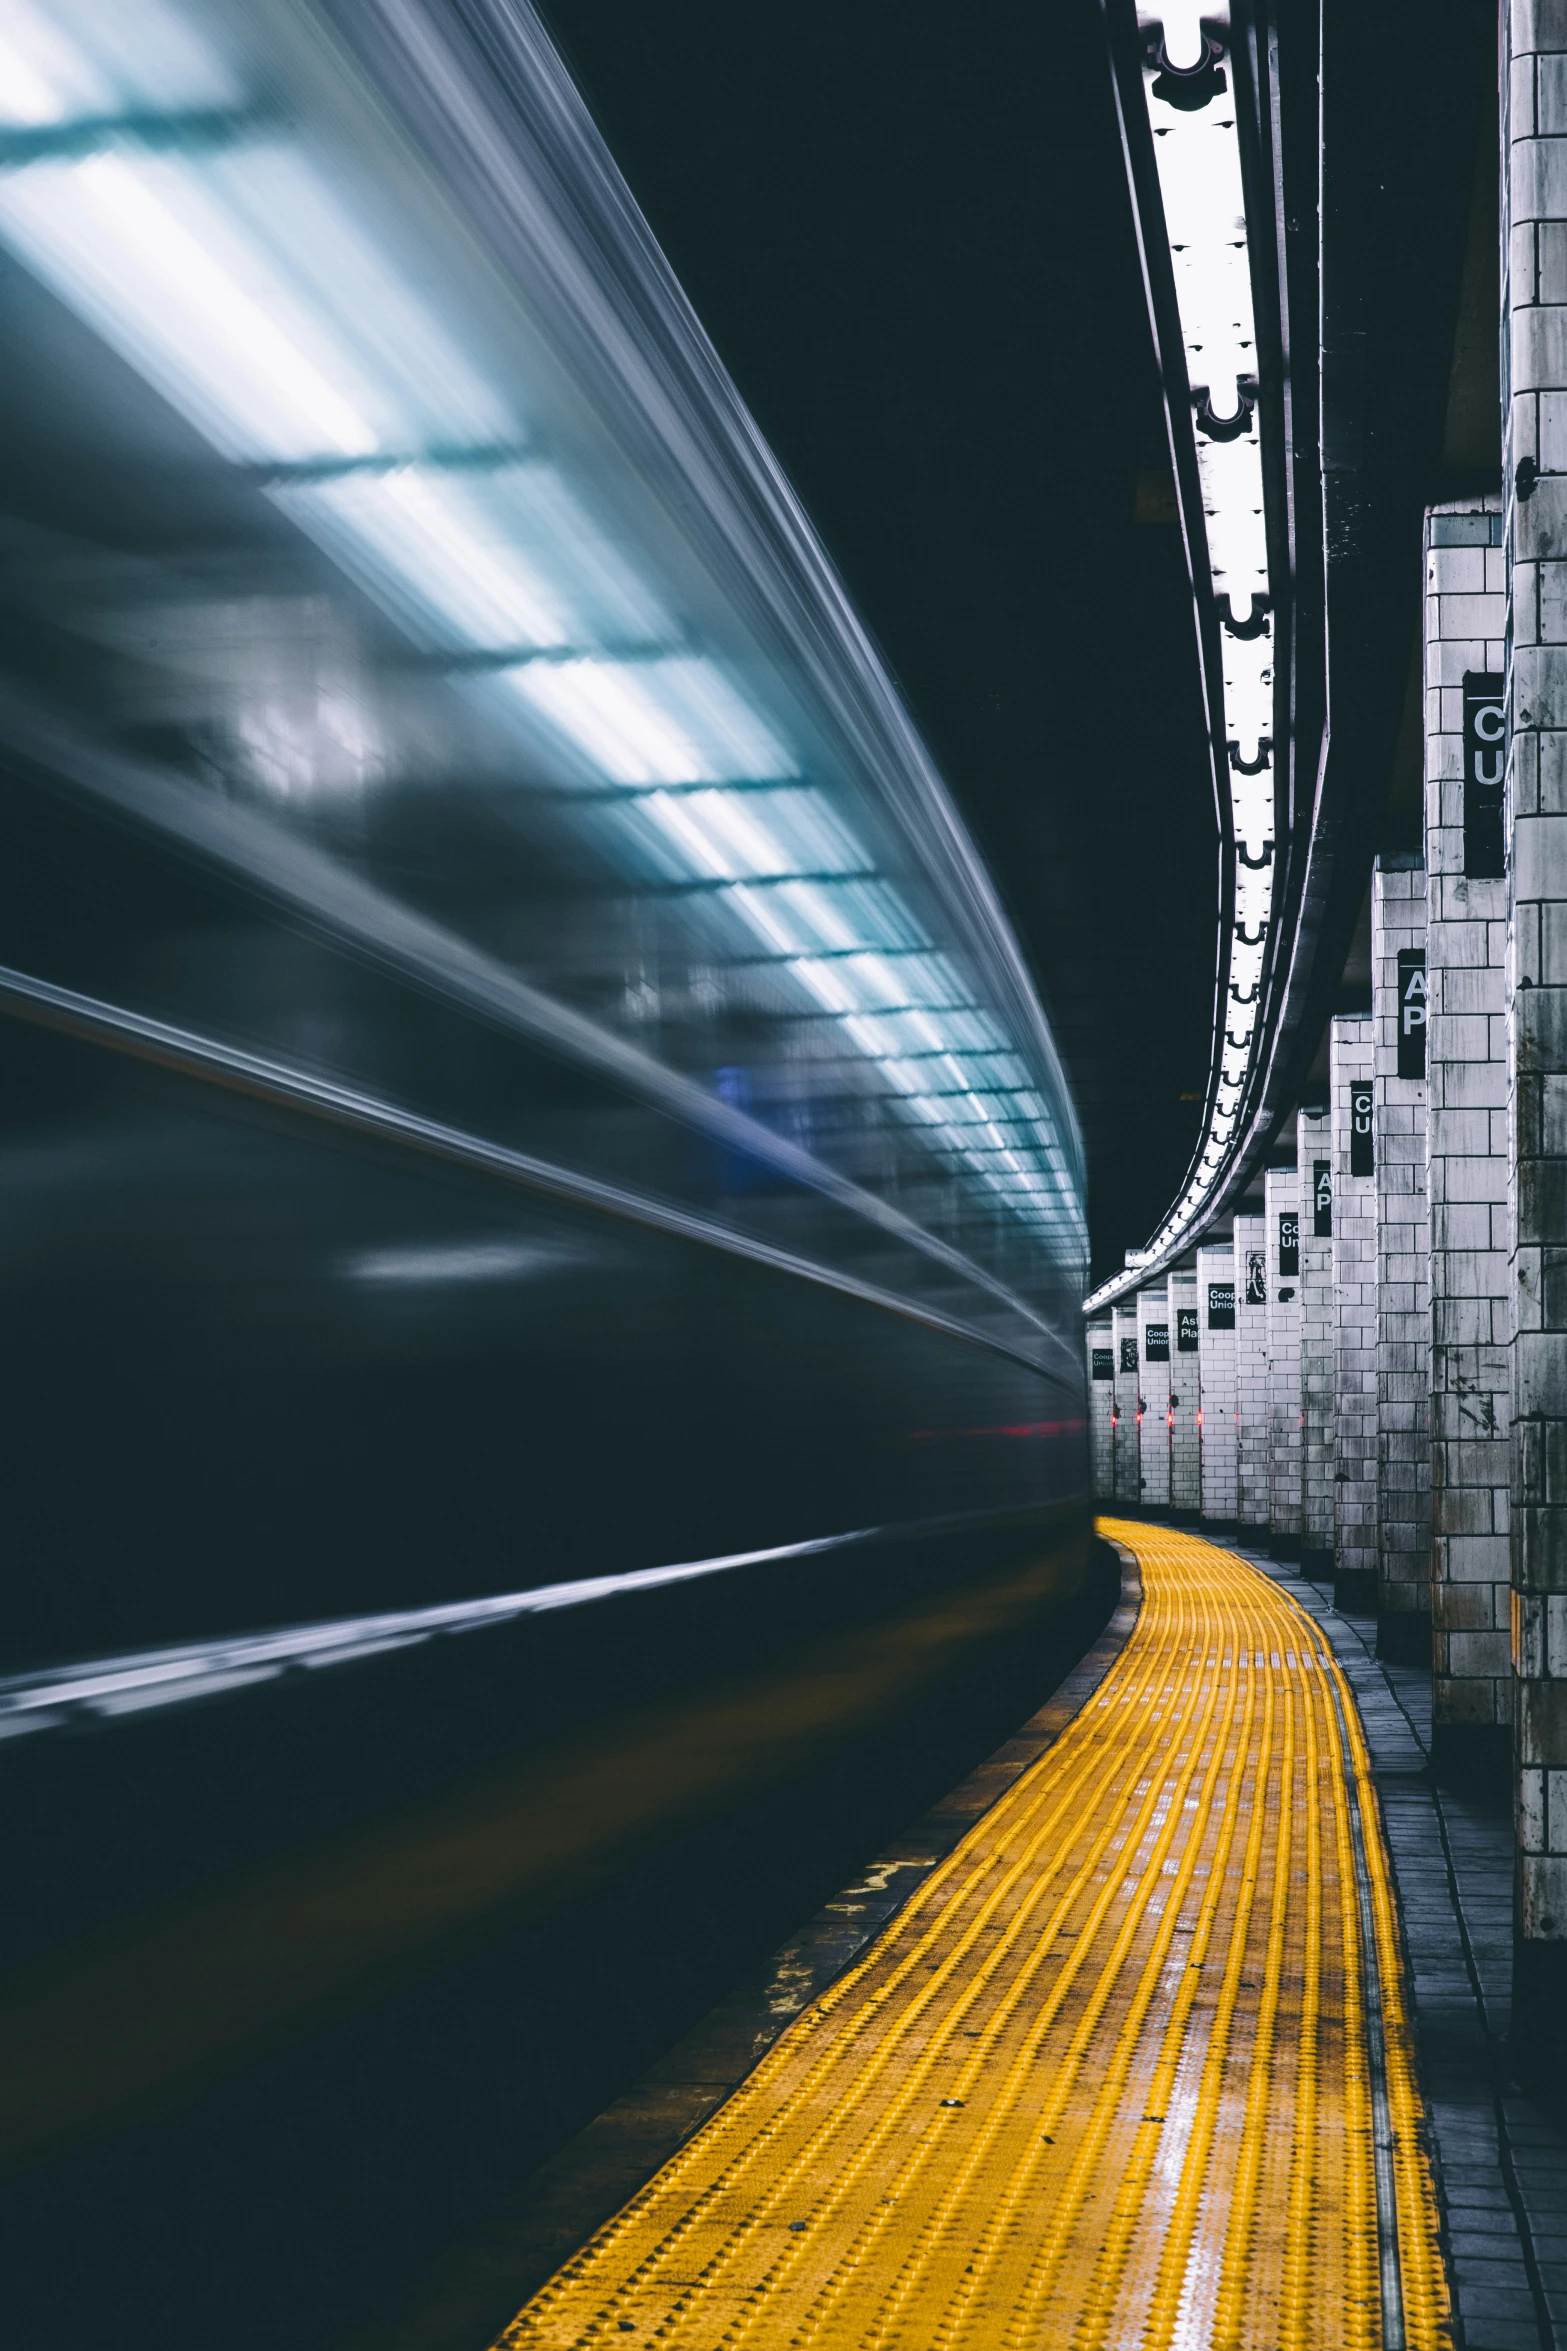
<point x="1362" y="1125"/>
<point x="1289" y="1240"/>
<point x="1221" y="1306"/>
<point x="1322" y="1199"/>
<point x="1411" y="1012"/>
<point x="1104" y="1363"/>
<point x="1186" y="1330"/>
<point x="1485" y="754"/>
<point x="1256" y="1277"/>
<point x="1156" y="1342"/>
<point x="1128" y="1354"/>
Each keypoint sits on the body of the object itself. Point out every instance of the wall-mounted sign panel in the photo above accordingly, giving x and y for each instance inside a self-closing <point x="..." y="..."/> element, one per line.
<point x="1221" y="1306"/>
<point x="1104" y="1363"/>
<point x="1186" y="1330"/>
<point x="1128" y="1354"/>
<point x="1256" y="1277"/>
<point x="1156" y="1343"/>
<point x="1485" y="750"/>
<point x="1289" y="1241"/>
<point x="1362" y="1129"/>
<point x="1411" y="1012"/>
<point x="1322" y="1198"/>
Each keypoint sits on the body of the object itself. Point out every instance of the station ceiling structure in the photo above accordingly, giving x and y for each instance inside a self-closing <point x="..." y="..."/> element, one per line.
<point x="959" y="272"/>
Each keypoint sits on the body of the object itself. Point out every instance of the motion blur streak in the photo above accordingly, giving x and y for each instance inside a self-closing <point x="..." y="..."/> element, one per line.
<point x="521" y="1116"/>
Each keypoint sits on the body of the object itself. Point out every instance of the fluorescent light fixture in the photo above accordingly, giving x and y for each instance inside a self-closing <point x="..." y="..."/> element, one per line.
<point x="1198" y="165"/>
<point x="80" y="58"/>
<point x="477" y="558"/>
<point x="675" y="720"/>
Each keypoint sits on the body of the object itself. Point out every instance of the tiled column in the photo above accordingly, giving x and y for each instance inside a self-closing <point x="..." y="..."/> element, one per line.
<point x="1534" y="471"/>
<point x="1153" y="1335"/>
<point x="1398" y="929"/>
<point x="1314" y="1144"/>
<point x="1185" y="1399"/>
<point x="1466" y="1148"/>
<point x="1281" y="1195"/>
<point x="1100" y="1342"/>
<point x="1253" y="1401"/>
<point x="1352" y="1057"/>
<point x="1128" y="1377"/>
<point x="1216" y="1340"/>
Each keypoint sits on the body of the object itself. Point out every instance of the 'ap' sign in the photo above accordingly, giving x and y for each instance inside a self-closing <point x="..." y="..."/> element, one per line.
<point x="1411" y="1012"/>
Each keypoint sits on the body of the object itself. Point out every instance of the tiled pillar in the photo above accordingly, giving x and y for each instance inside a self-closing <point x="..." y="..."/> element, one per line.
<point x="1185" y="1399"/>
<point x="1128" y="1377"/>
<point x="1399" y="1004"/>
<point x="1281" y="1196"/>
<point x="1534" y="472"/>
<point x="1253" y="1401"/>
<point x="1153" y="1336"/>
<point x="1216" y="1341"/>
<point x="1466" y="1143"/>
<point x="1351" y="1058"/>
<point x="1314" y="1145"/>
<point x="1100" y="1342"/>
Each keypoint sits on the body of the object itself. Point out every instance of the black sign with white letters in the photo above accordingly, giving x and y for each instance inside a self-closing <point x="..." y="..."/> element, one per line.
<point x="1289" y="1240"/>
<point x="1485" y="751"/>
<point x="1221" y="1306"/>
<point x="1322" y="1198"/>
<point x="1256" y="1277"/>
<point x="1156" y="1342"/>
<point x="1128" y="1354"/>
<point x="1362" y="1126"/>
<point x="1104" y="1363"/>
<point x="1411" y="1012"/>
<point x="1186" y="1330"/>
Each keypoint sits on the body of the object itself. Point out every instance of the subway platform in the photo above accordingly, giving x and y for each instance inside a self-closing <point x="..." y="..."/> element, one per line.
<point x="1182" y="2023"/>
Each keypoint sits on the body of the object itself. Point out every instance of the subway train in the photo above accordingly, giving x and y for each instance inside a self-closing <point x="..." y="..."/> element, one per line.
<point x="541" y="1224"/>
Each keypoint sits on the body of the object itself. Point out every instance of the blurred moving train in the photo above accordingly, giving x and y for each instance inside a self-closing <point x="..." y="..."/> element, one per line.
<point x="523" y="1119"/>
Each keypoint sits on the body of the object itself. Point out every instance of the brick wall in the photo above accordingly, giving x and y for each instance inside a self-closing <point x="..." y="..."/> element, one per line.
<point x="1466" y="1148"/>
<point x="1281" y="1201"/>
<point x="1398" y="924"/>
<point x="1216" y="1268"/>
<point x="1314" y="1147"/>
<point x="1351" y="1053"/>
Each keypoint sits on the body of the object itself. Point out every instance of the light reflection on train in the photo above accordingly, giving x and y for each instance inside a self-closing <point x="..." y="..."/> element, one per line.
<point x="514" y="1076"/>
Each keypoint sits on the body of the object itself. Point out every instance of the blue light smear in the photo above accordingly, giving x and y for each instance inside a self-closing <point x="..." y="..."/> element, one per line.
<point x="178" y="193"/>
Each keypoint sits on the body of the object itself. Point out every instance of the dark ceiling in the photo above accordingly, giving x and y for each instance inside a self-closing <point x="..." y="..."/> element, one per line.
<point x="907" y="231"/>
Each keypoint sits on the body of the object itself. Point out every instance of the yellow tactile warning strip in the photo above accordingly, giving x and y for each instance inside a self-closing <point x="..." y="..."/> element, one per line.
<point x="1132" y="2068"/>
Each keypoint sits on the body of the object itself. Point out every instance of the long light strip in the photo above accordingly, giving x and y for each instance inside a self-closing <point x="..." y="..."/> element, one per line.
<point x="1188" y="90"/>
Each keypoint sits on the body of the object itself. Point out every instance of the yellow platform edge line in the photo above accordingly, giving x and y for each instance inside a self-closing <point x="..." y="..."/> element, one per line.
<point x="1216" y="1707"/>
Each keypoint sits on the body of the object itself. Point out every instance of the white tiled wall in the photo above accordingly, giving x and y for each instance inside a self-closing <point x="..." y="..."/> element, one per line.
<point x="1100" y="1336"/>
<point x="1216" y="1265"/>
<point x="1253" y="1394"/>
<point x="1351" y="1056"/>
<point x="1185" y="1400"/>
<point x="1398" y="920"/>
<point x="1471" y="1315"/>
<point x="1153" y="1311"/>
<point x="1281" y="1197"/>
<point x="1314" y="1142"/>
<point x="1128" y="1371"/>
